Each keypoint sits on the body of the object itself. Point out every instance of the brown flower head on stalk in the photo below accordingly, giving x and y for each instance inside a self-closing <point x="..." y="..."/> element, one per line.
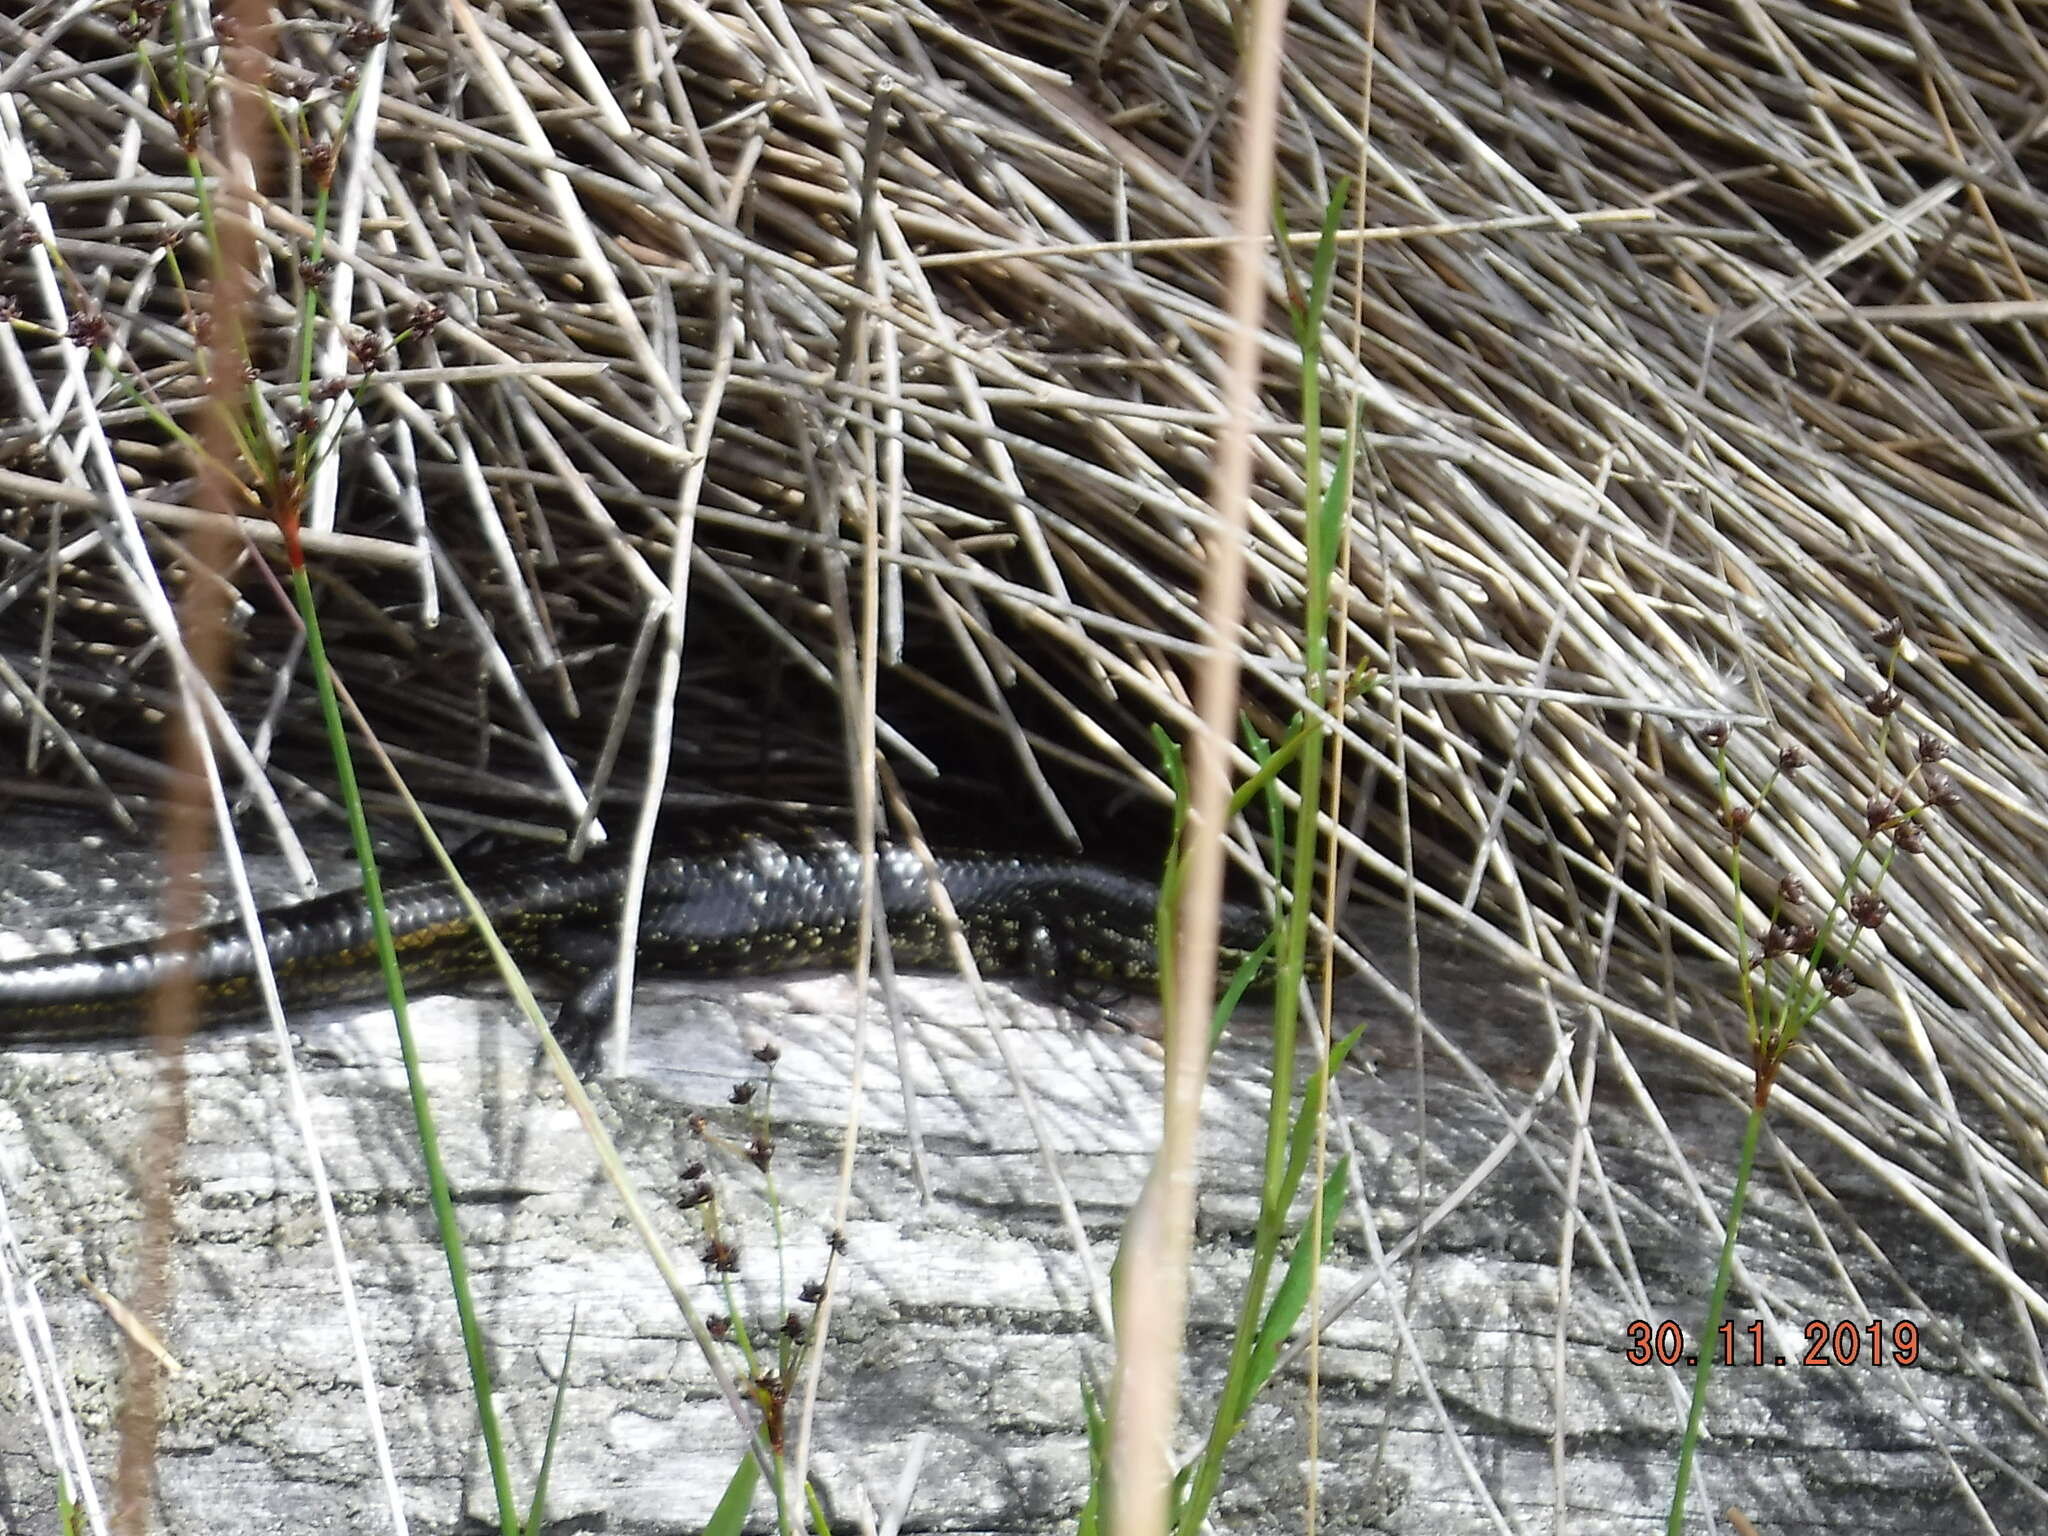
<point x="1799" y="963"/>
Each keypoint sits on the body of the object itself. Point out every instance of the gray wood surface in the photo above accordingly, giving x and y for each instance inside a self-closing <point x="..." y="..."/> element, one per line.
<point x="965" y="1326"/>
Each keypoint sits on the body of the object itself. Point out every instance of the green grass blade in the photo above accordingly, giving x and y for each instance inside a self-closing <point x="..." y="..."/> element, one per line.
<point x="537" y="1513"/>
<point x="1336" y="507"/>
<point x="1090" y="1522"/>
<point x="1302" y="1135"/>
<point x="1248" y="971"/>
<point x="1292" y="1296"/>
<point x="730" y="1517"/>
<point x="1325" y="264"/>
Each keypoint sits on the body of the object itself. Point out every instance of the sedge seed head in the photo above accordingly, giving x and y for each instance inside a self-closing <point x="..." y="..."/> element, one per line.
<point x="1939" y="790"/>
<point x="88" y="328"/>
<point x="721" y="1257"/>
<point x="1866" y="910"/>
<point x="188" y="121"/>
<point x="367" y="349"/>
<point x="319" y="157"/>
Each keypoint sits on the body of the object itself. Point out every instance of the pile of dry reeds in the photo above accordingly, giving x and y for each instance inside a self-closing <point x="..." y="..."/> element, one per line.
<point x="1693" y="343"/>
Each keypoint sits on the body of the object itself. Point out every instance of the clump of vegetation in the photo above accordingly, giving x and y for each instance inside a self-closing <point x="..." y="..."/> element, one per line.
<point x="1810" y="949"/>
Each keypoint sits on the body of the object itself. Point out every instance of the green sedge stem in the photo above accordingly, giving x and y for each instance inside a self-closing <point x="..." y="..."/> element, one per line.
<point x="430" y="1141"/>
<point x="1707" y="1342"/>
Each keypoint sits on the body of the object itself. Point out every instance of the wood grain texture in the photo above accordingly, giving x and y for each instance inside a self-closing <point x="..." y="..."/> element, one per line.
<point x="965" y="1322"/>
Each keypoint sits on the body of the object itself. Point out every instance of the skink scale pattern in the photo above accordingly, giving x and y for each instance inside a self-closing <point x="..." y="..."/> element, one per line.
<point x="753" y="907"/>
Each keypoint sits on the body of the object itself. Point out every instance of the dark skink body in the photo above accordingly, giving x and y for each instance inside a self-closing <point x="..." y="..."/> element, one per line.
<point x="751" y="908"/>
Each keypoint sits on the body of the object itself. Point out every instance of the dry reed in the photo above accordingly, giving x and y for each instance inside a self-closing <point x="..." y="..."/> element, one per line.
<point x="1693" y="343"/>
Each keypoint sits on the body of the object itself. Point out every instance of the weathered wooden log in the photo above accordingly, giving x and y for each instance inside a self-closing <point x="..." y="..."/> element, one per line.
<point x="1477" y="1376"/>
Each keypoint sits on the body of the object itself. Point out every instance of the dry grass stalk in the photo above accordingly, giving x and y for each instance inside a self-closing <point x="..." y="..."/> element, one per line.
<point x="1709" y="347"/>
